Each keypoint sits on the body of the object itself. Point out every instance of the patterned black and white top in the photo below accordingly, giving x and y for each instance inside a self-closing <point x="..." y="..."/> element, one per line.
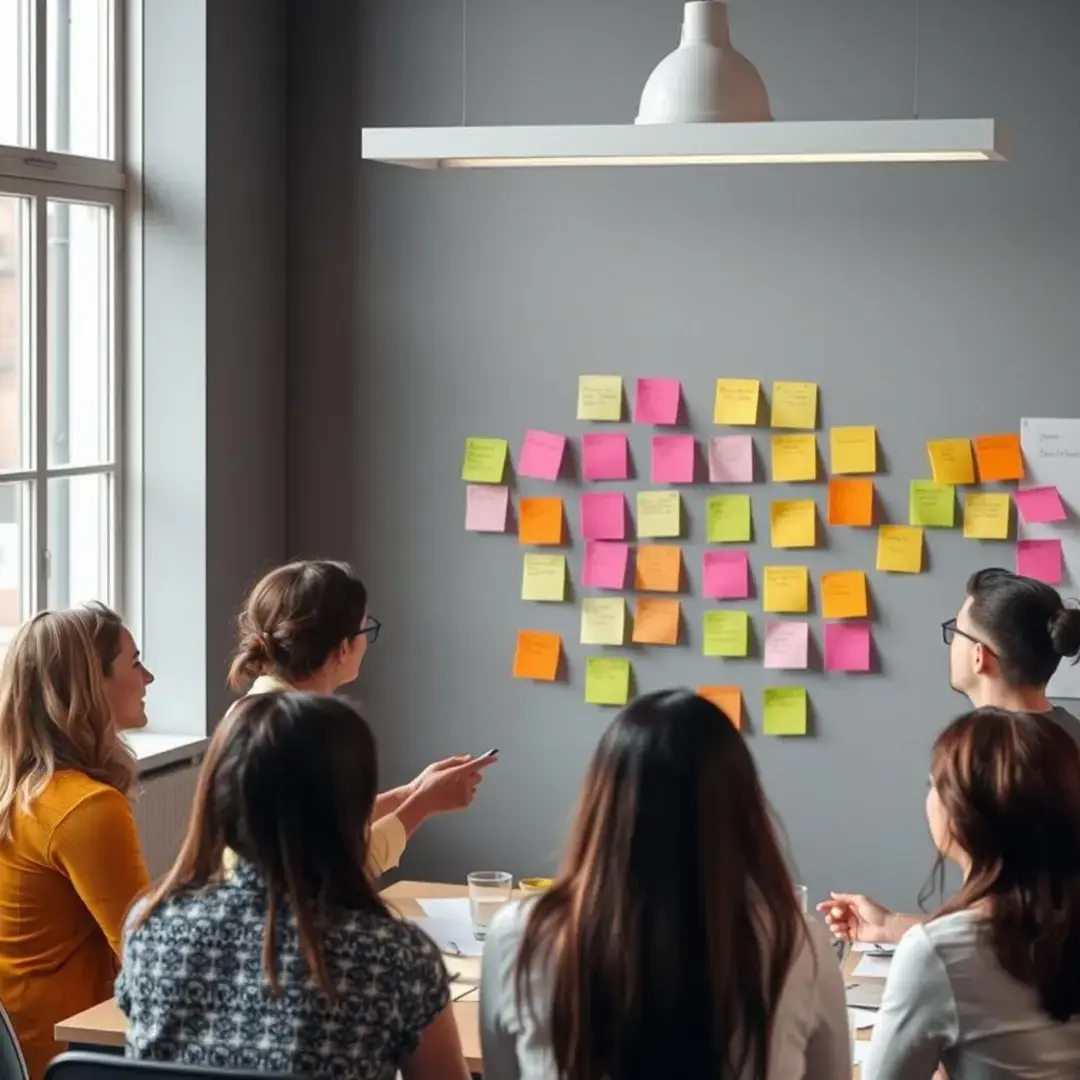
<point x="192" y="987"/>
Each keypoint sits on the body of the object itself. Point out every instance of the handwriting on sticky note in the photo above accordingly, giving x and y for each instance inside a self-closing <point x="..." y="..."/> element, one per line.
<point x="656" y="401"/>
<point x="540" y="521"/>
<point x="1040" y="559"/>
<point x="659" y="514"/>
<point x="658" y="568"/>
<point x="986" y="515"/>
<point x="899" y="549"/>
<point x="932" y="504"/>
<point x="725" y="575"/>
<point x="728" y="699"/>
<point x="656" y="622"/>
<point x="603" y="620"/>
<point x="951" y="461"/>
<point x="851" y="502"/>
<point x="607" y="680"/>
<point x="603" y="516"/>
<point x="543" y="577"/>
<point x="673" y="459"/>
<point x="725" y="633"/>
<point x="852" y="450"/>
<point x="541" y="455"/>
<point x="787" y="645"/>
<point x="843" y="594"/>
<point x="599" y="397"/>
<point x="999" y="457"/>
<point x="485" y="460"/>
<point x="785" y="710"/>
<point x="794" y="458"/>
<point x="605" y="565"/>
<point x="1039" y="505"/>
<point x="794" y="405"/>
<point x="736" y="402"/>
<point x="794" y="523"/>
<point x="731" y="459"/>
<point x="537" y="655"/>
<point x="604" y="457"/>
<point x="728" y="519"/>
<point x="787" y="589"/>
<point x="847" y="646"/>
<point x="485" y="507"/>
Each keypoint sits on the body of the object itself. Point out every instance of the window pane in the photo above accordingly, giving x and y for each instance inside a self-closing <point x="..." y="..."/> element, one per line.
<point x="16" y="52"/>
<point x="80" y="79"/>
<point x="16" y="557"/>
<point x="80" y="332"/>
<point x="80" y="552"/>
<point x="14" y="331"/>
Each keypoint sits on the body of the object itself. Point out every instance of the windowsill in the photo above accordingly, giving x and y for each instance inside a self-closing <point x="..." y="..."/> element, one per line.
<point x="155" y="751"/>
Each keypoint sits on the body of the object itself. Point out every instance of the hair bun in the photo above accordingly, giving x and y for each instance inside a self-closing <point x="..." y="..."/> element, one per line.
<point x="1065" y="631"/>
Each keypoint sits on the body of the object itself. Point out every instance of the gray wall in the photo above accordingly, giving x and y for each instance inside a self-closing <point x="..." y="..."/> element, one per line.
<point x="929" y="301"/>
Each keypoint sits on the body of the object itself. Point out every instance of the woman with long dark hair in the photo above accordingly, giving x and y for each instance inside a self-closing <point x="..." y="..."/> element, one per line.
<point x="672" y="943"/>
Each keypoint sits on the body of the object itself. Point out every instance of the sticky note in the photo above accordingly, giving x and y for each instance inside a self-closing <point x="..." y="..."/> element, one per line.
<point x="932" y="504"/>
<point x="656" y="622"/>
<point x="607" y="680"/>
<point x="658" y="568"/>
<point x="603" y="620"/>
<point x="485" y="507"/>
<point x="599" y="397"/>
<point x="899" y="549"/>
<point x="658" y="514"/>
<point x="728" y="699"/>
<point x="537" y="655"/>
<point x="794" y="523"/>
<point x="851" y="502"/>
<point x="605" y="565"/>
<point x="725" y="575"/>
<point x="673" y="459"/>
<point x="852" y="450"/>
<point x="656" y="401"/>
<point x="787" y="589"/>
<point x="725" y="633"/>
<point x="541" y="455"/>
<point x="794" y="458"/>
<point x="785" y="710"/>
<point x="794" y="405"/>
<point x="787" y="645"/>
<point x="999" y="457"/>
<point x="540" y="521"/>
<point x="485" y="460"/>
<point x="604" y="457"/>
<point x="951" y="461"/>
<point x="543" y="577"/>
<point x="731" y="459"/>
<point x="843" y="594"/>
<point x="728" y="519"/>
<point x="1040" y="559"/>
<point x="847" y="646"/>
<point x="603" y="516"/>
<point x="986" y="515"/>
<point x="1039" y="504"/>
<point x="736" y="402"/>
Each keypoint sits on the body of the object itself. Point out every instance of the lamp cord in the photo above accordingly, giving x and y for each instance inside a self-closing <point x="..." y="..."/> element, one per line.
<point x="464" y="61"/>
<point x="915" y="79"/>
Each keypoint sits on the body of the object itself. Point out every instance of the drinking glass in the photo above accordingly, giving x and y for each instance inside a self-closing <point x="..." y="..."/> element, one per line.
<point x="802" y="899"/>
<point x="488" y="891"/>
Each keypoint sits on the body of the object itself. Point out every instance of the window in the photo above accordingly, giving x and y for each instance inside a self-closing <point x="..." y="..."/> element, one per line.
<point x="61" y="219"/>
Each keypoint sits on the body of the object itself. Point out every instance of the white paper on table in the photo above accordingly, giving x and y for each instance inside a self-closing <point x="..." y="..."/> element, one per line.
<point x="867" y="995"/>
<point x="456" y="908"/>
<point x="452" y="936"/>
<point x="872" y="967"/>
<point x="858" y="1019"/>
<point x="877" y="950"/>
<point x="860" y="1051"/>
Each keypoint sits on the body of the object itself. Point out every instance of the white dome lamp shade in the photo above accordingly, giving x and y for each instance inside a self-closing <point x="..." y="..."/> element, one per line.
<point x="706" y="80"/>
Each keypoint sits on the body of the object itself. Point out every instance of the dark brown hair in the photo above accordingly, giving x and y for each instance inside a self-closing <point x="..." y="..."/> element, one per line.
<point x="295" y="618"/>
<point x="673" y="924"/>
<point x="1009" y="786"/>
<point x="288" y="784"/>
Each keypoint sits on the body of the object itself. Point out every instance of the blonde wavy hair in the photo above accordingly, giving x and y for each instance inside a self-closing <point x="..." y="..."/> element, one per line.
<point x="53" y="710"/>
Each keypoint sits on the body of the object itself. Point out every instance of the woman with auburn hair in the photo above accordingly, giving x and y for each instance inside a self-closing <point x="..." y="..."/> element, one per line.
<point x="70" y="860"/>
<point x="672" y="943"/>
<point x="989" y="986"/>
<point x="292" y="963"/>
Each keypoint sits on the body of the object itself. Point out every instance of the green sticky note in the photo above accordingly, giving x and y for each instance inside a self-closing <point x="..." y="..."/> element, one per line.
<point x="728" y="519"/>
<point x="785" y="710"/>
<point x="932" y="504"/>
<point x="607" y="680"/>
<point x="485" y="460"/>
<point x="726" y="633"/>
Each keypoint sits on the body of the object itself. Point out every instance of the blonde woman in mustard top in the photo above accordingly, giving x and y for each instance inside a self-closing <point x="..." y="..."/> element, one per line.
<point x="70" y="861"/>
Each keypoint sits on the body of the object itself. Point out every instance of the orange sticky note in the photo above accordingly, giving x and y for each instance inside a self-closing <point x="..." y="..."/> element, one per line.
<point x="658" y="568"/>
<point x="541" y="521"/>
<point x="656" y="622"/>
<point x="851" y="502"/>
<point x="999" y="457"/>
<point x="728" y="699"/>
<point x="843" y="594"/>
<point x="537" y="655"/>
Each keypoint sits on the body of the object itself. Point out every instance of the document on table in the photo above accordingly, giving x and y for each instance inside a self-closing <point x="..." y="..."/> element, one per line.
<point x="865" y="995"/>
<point x="860" y="1019"/>
<point x="877" y="950"/>
<point x="448" y="923"/>
<point x="872" y="967"/>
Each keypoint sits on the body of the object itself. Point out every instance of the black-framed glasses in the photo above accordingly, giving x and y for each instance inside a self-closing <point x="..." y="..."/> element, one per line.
<point x="371" y="630"/>
<point x="950" y="630"/>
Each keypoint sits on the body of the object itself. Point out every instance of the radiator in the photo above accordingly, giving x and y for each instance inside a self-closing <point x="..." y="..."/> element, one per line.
<point x="161" y="813"/>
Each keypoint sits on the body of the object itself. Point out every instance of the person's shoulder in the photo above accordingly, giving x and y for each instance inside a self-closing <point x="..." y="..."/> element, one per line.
<point x="413" y="947"/>
<point x="508" y="926"/>
<point x="72" y="792"/>
<point x="939" y="945"/>
<point x="1065" y="720"/>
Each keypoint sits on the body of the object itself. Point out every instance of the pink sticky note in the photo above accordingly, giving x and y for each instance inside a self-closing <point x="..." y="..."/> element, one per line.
<point x="1039" y="559"/>
<point x="726" y="574"/>
<point x="1039" y="504"/>
<point x="605" y="565"/>
<point x="787" y="645"/>
<point x="673" y="459"/>
<point x="604" y="457"/>
<point x="731" y="459"/>
<point x="847" y="646"/>
<point x="656" y="401"/>
<point x="603" y="517"/>
<point x="485" y="507"/>
<point x="541" y="455"/>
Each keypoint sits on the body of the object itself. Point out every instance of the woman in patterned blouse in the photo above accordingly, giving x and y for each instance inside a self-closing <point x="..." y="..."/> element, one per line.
<point x="292" y="964"/>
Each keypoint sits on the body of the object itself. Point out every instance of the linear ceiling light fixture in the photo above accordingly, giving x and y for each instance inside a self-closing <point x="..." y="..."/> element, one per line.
<point x="704" y="104"/>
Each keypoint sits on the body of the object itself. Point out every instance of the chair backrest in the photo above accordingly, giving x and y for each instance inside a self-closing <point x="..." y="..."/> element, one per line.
<point x="12" y="1062"/>
<point x="86" y="1066"/>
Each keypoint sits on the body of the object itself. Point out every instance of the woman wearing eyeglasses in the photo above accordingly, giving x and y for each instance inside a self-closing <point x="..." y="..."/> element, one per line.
<point x="305" y="626"/>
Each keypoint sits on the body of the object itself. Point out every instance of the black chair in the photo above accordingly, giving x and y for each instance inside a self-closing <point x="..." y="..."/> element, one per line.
<point x="86" y="1066"/>
<point x="12" y="1062"/>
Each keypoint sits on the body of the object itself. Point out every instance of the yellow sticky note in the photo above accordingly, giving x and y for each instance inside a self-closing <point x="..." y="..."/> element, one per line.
<point x="543" y="577"/>
<point x="485" y="460"/>
<point x="787" y="589"/>
<point x="852" y="450"/>
<point x="794" y="523"/>
<point x="843" y="594"/>
<point x="794" y="405"/>
<point x="658" y="568"/>
<point x="658" y="514"/>
<point x="656" y="622"/>
<point x="599" y="397"/>
<point x="794" y="458"/>
<point x="607" y="680"/>
<point x="736" y="402"/>
<point x="603" y="620"/>
<point x="728" y="699"/>
<point x="951" y="461"/>
<point x="785" y="711"/>
<point x="537" y="655"/>
<point x="986" y="515"/>
<point x="899" y="549"/>
<point x="728" y="519"/>
<point x="726" y="633"/>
